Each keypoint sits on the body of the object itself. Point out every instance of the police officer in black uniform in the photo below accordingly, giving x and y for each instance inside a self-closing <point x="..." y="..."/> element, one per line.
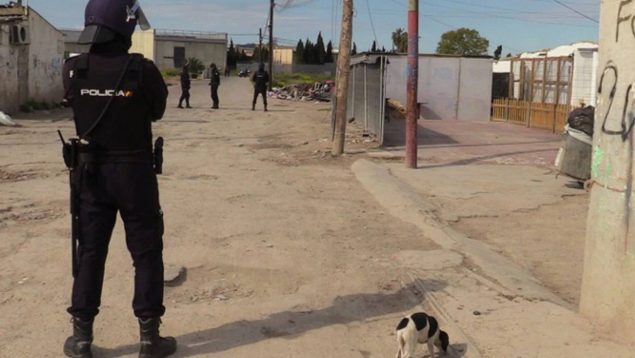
<point x="260" y="80"/>
<point x="186" y="84"/>
<point x="115" y="97"/>
<point x="214" y="82"/>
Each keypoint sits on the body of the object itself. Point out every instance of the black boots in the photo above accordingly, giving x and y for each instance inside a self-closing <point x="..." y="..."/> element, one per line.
<point x="253" y="107"/>
<point x="78" y="345"/>
<point x="152" y="344"/>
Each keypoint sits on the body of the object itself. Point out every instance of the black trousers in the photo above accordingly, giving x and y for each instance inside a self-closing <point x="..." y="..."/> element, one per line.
<point x="215" y="94"/>
<point x="258" y="92"/>
<point x="132" y="190"/>
<point x="185" y="95"/>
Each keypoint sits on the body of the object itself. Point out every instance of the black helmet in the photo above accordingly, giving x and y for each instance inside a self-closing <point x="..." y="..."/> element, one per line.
<point x="104" y="19"/>
<point x="261" y="67"/>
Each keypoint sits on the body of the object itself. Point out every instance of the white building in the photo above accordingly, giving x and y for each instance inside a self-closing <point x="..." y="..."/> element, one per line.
<point x="31" y="58"/>
<point x="568" y="73"/>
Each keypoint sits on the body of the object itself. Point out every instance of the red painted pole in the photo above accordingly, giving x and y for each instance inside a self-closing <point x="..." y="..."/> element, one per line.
<point x="413" y="84"/>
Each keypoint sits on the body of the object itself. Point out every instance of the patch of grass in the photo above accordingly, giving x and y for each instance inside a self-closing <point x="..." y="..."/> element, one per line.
<point x="286" y="79"/>
<point x="171" y="72"/>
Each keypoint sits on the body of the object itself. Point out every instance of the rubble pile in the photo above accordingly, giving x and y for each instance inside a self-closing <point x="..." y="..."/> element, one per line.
<point x="319" y="91"/>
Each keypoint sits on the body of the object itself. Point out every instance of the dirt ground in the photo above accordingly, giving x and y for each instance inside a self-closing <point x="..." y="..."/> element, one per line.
<point x="285" y="254"/>
<point x="496" y="183"/>
<point x="288" y="254"/>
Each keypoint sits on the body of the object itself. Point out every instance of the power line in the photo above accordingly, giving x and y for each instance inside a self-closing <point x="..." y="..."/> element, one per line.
<point x="576" y="11"/>
<point x="372" y="23"/>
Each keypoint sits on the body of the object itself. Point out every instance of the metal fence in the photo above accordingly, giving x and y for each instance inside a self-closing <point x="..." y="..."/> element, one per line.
<point x="366" y="104"/>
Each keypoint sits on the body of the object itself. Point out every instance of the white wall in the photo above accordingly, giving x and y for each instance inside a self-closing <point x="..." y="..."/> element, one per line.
<point x="449" y="87"/>
<point x="46" y="60"/>
<point x="475" y="96"/>
<point x="9" y="92"/>
<point x="585" y="78"/>
<point x="205" y="51"/>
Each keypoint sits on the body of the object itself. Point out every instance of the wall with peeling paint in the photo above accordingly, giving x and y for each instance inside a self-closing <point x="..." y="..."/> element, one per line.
<point x="46" y="59"/>
<point x="9" y="93"/>
<point x="31" y="71"/>
<point x="608" y="288"/>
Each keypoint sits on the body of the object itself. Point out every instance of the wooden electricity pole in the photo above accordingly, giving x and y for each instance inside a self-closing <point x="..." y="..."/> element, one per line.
<point x="343" y="71"/>
<point x="271" y="7"/>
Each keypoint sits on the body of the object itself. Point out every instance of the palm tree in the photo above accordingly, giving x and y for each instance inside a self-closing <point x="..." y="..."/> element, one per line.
<point x="400" y="40"/>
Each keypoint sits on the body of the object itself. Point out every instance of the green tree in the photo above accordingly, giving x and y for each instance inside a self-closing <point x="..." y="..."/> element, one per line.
<point x="354" y="51"/>
<point x="463" y="42"/>
<point x="231" y="55"/>
<point x="308" y="52"/>
<point x="374" y="47"/>
<point x="329" y="53"/>
<point x="299" y="53"/>
<point x="320" y="52"/>
<point x="400" y="41"/>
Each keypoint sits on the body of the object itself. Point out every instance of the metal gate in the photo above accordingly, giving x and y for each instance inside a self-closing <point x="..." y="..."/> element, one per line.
<point x="366" y="103"/>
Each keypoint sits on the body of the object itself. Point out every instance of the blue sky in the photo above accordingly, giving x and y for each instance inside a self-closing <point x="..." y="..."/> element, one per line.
<point x="519" y="25"/>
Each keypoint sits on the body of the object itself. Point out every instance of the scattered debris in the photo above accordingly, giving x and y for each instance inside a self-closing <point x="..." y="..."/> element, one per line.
<point x="320" y="92"/>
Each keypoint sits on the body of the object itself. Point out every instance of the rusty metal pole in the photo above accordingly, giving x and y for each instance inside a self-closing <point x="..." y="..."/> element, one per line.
<point x="413" y="84"/>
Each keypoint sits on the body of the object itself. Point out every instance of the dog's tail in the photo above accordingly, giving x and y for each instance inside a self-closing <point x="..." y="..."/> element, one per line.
<point x="402" y="345"/>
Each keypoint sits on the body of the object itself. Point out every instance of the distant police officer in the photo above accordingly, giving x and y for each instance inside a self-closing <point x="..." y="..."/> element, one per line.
<point x="214" y="82"/>
<point x="260" y="80"/>
<point x="115" y="98"/>
<point x="186" y="84"/>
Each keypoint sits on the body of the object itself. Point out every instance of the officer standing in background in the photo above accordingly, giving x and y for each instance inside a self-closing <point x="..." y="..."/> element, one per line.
<point x="186" y="84"/>
<point x="260" y="80"/>
<point x="214" y="82"/>
<point x="115" y="98"/>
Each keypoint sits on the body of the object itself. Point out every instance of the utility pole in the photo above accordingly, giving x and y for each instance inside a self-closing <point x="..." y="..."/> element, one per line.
<point x="609" y="264"/>
<point x="260" y="45"/>
<point x="413" y="84"/>
<point x="343" y="71"/>
<point x="271" y="7"/>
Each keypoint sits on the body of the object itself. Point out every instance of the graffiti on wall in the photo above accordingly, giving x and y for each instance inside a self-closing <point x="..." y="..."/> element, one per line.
<point x="617" y="120"/>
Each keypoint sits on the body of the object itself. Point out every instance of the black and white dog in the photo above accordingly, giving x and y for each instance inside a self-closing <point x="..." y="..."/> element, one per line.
<point x="420" y="328"/>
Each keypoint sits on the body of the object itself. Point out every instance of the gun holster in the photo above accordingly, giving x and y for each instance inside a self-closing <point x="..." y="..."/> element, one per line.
<point x="70" y="152"/>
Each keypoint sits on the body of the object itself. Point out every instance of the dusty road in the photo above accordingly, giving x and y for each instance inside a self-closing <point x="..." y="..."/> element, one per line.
<point x="286" y="254"/>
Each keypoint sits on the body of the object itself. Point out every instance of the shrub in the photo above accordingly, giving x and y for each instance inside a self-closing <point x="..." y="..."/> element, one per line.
<point x="171" y="72"/>
<point x="196" y="66"/>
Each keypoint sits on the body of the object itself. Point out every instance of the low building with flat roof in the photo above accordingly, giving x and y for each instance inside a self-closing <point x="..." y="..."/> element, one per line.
<point x="32" y="53"/>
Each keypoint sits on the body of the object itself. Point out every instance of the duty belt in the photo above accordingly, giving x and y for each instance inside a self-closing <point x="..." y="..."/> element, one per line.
<point x="101" y="157"/>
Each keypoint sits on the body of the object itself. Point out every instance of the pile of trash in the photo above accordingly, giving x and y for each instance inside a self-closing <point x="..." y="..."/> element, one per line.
<point x="319" y="91"/>
<point x="582" y="119"/>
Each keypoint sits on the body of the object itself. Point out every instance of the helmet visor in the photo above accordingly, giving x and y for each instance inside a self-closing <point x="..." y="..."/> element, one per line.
<point x="135" y="13"/>
<point x="96" y="34"/>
